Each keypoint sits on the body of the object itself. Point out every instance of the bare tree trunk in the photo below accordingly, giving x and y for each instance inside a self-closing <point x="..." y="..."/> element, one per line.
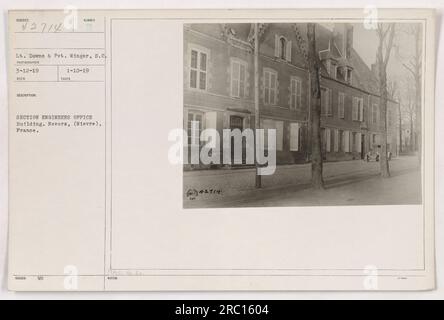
<point x="400" y="127"/>
<point x="418" y="116"/>
<point x="315" y="91"/>
<point x="418" y="64"/>
<point x="382" y="64"/>
<point x="412" y="139"/>
<point x="414" y="67"/>
<point x="385" y="170"/>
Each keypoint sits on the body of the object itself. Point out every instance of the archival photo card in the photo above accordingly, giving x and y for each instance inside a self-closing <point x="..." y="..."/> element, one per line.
<point x="221" y="150"/>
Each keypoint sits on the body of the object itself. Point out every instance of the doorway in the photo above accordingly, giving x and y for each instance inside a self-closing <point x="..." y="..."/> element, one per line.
<point x="362" y="146"/>
<point x="237" y="122"/>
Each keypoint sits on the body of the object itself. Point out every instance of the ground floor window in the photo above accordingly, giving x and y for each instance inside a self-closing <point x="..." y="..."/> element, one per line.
<point x="295" y="136"/>
<point x="236" y="122"/>
<point x="326" y="137"/>
<point x="354" y="142"/>
<point x="194" y="127"/>
<point x="267" y="124"/>
<point x="336" y="140"/>
<point x="346" y="141"/>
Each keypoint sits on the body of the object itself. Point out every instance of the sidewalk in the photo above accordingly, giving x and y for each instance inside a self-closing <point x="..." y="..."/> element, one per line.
<point x="237" y="185"/>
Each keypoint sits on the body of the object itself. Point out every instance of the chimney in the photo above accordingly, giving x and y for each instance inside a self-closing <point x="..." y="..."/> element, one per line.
<point x="348" y="40"/>
<point x="344" y="36"/>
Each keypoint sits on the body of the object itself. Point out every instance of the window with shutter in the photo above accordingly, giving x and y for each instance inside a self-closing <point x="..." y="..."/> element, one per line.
<point x="288" y="51"/>
<point x="327" y="140"/>
<point x="276" y="45"/>
<point x="267" y="124"/>
<point x="238" y="78"/>
<point x="346" y="141"/>
<point x="326" y="101"/>
<point x="295" y="93"/>
<point x="336" y="140"/>
<point x="194" y="128"/>
<point x="198" y="69"/>
<point x="341" y="105"/>
<point x="354" y="142"/>
<point x="361" y="109"/>
<point x="343" y="149"/>
<point x="359" y="143"/>
<point x="355" y="109"/>
<point x="270" y="86"/>
<point x="294" y="136"/>
<point x="329" y="105"/>
<point x="282" y="48"/>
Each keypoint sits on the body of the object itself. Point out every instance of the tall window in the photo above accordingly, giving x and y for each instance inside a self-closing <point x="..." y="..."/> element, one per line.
<point x="361" y="109"/>
<point x="349" y="75"/>
<point x="333" y="70"/>
<point x="295" y="135"/>
<point x="194" y="128"/>
<point x="282" y="48"/>
<point x="198" y="69"/>
<point x="341" y="141"/>
<point x="341" y="105"/>
<point x="296" y="93"/>
<point x="346" y="141"/>
<point x="238" y="78"/>
<point x="326" y="101"/>
<point x="340" y="74"/>
<point x="358" y="109"/>
<point x="354" y="142"/>
<point x="336" y="140"/>
<point x="327" y="140"/>
<point x="267" y="124"/>
<point x="270" y="87"/>
<point x="375" y="113"/>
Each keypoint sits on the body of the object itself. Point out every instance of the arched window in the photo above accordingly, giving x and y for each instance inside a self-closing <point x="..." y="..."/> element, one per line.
<point x="283" y="44"/>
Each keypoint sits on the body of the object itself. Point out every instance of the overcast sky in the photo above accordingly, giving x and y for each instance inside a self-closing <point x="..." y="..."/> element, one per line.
<point x="365" y="41"/>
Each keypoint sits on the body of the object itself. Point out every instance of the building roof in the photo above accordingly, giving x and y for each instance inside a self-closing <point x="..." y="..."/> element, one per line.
<point x="363" y="76"/>
<point x="328" y="44"/>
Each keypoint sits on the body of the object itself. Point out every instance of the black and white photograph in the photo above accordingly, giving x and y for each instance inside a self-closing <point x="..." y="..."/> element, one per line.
<point x="221" y="153"/>
<point x="302" y="114"/>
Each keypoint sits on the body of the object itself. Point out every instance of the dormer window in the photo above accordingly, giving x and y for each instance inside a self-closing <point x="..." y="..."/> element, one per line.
<point x="349" y="75"/>
<point x="282" y="49"/>
<point x="332" y="68"/>
<point x="340" y="74"/>
<point x="344" y="73"/>
<point x="283" y="45"/>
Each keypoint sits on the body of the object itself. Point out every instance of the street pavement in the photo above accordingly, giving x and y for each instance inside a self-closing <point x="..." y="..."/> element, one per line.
<point x="347" y="183"/>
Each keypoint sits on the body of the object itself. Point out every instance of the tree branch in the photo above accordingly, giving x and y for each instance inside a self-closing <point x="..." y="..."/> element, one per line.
<point x="389" y="47"/>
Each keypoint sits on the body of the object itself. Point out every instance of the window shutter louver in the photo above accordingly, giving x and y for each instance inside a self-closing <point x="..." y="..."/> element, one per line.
<point x="327" y="140"/>
<point x="346" y="141"/>
<point x="336" y="140"/>
<point x="288" y="52"/>
<point x="276" y="45"/>
<point x="294" y="136"/>
<point x="330" y="95"/>
<point x="355" y="109"/>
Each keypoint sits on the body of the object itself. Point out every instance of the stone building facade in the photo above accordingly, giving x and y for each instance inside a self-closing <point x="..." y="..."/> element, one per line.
<point x="219" y="89"/>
